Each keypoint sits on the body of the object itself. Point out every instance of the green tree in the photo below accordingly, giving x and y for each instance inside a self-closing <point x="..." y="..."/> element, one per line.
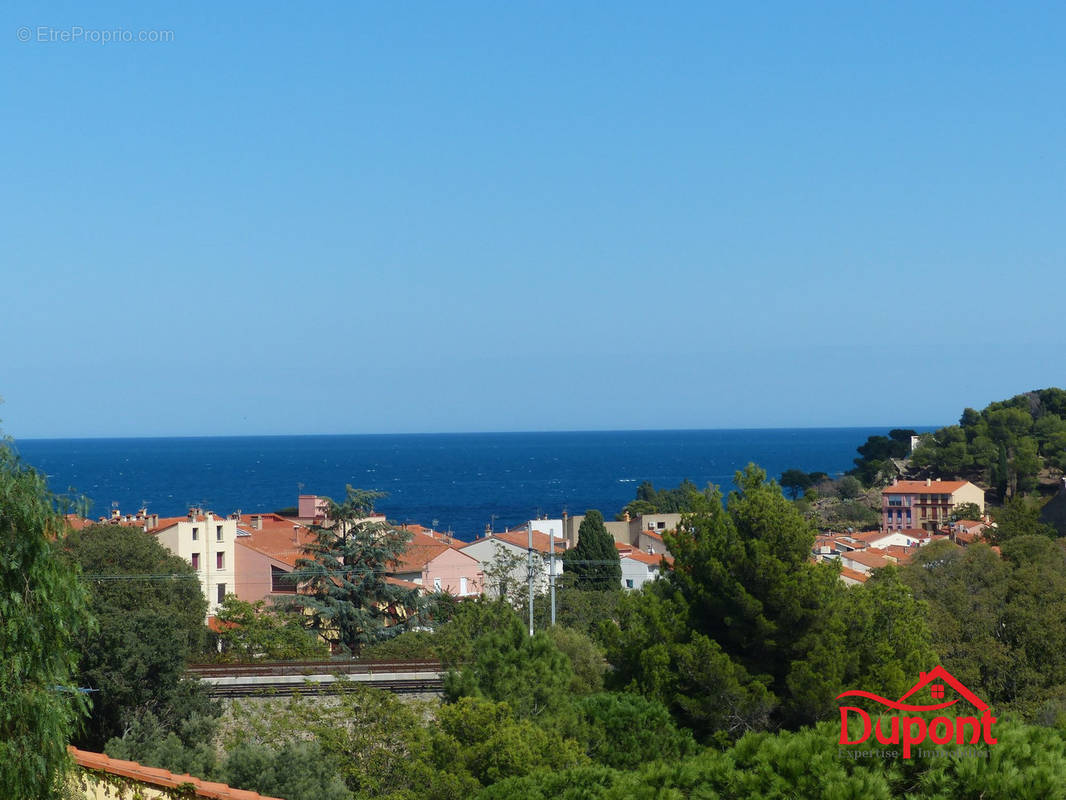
<point x="746" y="632"/>
<point x="529" y="673"/>
<point x="594" y="560"/>
<point x="43" y="613"/>
<point x="254" y="631"/>
<point x="1019" y="517"/>
<point x="849" y="487"/>
<point x="969" y="511"/>
<point x="795" y="481"/>
<point x="347" y="598"/>
<point x="489" y="743"/>
<point x="999" y="623"/>
<point x="295" y="771"/>
<point x="625" y="730"/>
<point x="151" y="614"/>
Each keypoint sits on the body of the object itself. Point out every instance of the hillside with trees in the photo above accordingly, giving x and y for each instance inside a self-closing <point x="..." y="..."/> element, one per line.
<point x="1011" y="446"/>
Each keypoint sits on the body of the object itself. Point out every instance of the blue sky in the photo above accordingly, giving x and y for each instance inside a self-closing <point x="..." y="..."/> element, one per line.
<point x="386" y="217"/>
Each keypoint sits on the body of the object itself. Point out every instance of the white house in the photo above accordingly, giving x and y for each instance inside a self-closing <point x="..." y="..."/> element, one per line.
<point x="208" y="543"/>
<point x="511" y="549"/>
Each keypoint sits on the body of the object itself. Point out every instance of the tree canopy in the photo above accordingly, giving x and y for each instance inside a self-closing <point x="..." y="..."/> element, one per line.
<point x="44" y="612"/>
<point x="746" y="632"/>
<point x="594" y="561"/>
<point x="346" y="594"/>
<point x="151" y="614"/>
<point x="1006" y="445"/>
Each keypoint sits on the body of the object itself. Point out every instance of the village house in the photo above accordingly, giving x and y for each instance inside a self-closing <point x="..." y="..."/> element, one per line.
<point x="925" y="504"/>
<point x="208" y="543"/>
<point x="639" y="567"/>
<point x="267" y="548"/>
<point x="509" y="550"/>
<point x="435" y="566"/>
<point x="642" y="532"/>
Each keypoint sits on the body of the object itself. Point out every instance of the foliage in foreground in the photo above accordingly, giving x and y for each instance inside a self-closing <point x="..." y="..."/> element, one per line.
<point x="745" y="633"/>
<point x="151" y="613"/>
<point x="1028" y="761"/>
<point x="43" y="612"/>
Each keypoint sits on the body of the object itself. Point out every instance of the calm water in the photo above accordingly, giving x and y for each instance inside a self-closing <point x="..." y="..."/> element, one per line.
<point x="453" y="481"/>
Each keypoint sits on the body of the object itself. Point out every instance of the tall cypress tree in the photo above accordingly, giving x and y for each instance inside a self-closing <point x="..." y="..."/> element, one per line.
<point x="594" y="561"/>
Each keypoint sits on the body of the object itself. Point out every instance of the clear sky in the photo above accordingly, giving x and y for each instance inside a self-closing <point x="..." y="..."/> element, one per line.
<point x="390" y="217"/>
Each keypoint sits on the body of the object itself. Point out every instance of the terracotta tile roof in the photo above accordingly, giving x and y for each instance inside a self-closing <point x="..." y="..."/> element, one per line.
<point x="901" y="554"/>
<point x="98" y="762"/>
<point x="420" y="551"/>
<point x="519" y="538"/>
<point x="855" y="575"/>
<point x="920" y="487"/>
<point x="867" y="558"/>
<point x="77" y="523"/>
<point x="869" y="536"/>
<point x="279" y="538"/>
<point x="647" y="558"/>
<point x="653" y="535"/>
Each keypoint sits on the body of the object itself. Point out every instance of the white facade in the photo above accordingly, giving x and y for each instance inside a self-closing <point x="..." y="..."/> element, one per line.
<point x="208" y="543"/>
<point x="552" y="527"/>
<point x="491" y="552"/>
<point x="636" y="573"/>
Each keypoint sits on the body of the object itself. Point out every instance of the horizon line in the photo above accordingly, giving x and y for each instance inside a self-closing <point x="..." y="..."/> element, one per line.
<point x="103" y="437"/>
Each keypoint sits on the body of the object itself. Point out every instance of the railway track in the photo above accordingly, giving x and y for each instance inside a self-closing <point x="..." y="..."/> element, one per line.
<point x="314" y="677"/>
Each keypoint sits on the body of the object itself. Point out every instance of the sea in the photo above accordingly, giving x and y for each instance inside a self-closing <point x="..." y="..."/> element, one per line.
<point x="459" y="482"/>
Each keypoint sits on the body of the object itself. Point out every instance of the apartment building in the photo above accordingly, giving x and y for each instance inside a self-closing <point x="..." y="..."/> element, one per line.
<point x="925" y="504"/>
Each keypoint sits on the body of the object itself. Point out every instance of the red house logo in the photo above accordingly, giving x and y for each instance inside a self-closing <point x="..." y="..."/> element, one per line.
<point x="911" y="730"/>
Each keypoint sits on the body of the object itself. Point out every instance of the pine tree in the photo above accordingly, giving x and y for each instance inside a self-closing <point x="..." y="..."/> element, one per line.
<point x="344" y="589"/>
<point x="594" y="561"/>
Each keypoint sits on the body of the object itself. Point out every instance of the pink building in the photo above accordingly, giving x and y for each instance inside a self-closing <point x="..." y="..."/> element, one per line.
<point x="925" y="504"/>
<point x="438" y="567"/>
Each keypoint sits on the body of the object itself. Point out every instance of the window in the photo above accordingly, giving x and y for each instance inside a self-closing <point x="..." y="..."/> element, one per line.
<point x="195" y="533"/>
<point x="218" y="533"/>
<point x="281" y="581"/>
<point x="196" y="561"/>
<point x="436" y="584"/>
<point x="221" y="592"/>
<point x="462" y="586"/>
<point x="220" y="560"/>
<point x="936" y="691"/>
<point x="629" y="583"/>
<point x="661" y="525"/>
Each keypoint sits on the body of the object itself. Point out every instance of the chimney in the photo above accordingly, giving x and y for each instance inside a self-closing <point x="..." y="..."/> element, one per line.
<point x="928" y="481"/>
<point x="295" y="534"/>
<point x="257" y="522"/>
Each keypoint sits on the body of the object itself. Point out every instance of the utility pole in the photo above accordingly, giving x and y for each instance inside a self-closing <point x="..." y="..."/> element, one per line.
<point x="529" y="534"/>
<point x="551" y="572"/>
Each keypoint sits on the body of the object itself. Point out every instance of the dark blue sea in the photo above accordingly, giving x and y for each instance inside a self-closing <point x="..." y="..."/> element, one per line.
<point x="458" y="482"/>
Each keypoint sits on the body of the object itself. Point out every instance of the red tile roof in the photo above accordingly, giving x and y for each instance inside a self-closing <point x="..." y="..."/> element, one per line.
<point x="77" y="523"/>
<point x="519" y="538"/>
<point x="420" y="551"/>
<point x="855" y="575"/>
<point x="920" y="487"/>
<point x="867" y="558"/>
<point x="279" y="538"/>
<point x="98" y="762"/>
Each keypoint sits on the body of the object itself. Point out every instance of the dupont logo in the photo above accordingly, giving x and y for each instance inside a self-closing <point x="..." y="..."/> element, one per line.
<point x="913" y="730"/>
